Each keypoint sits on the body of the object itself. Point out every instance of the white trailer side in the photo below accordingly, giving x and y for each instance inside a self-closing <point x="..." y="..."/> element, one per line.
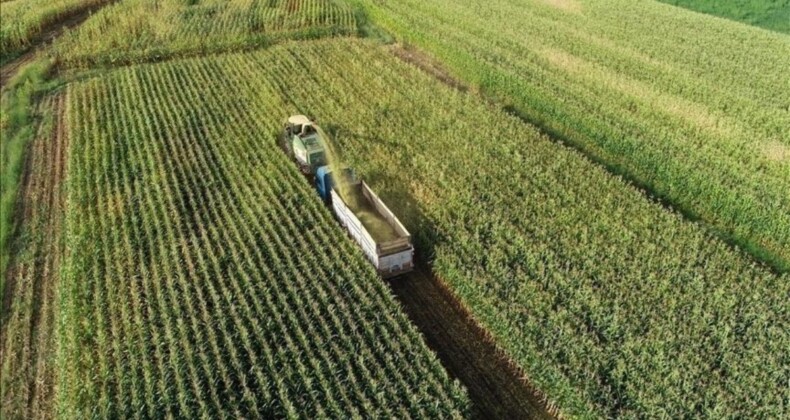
<point x="390" y="258"/>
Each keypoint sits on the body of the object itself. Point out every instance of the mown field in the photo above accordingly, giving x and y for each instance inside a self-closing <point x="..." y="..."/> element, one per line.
<point x="205" y="278"/>
<point x="22" y="20"/>
<point x="134" y="31"/>
<point x="692" y="108"/>
<point x="768" y="14"/>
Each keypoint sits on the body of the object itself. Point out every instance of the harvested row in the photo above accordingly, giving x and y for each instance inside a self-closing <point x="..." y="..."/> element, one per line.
<point x="212" y="280"/>
<point x="692" y="108"/>
<point x="611" y="304"/>
<point x="136" y="31"/>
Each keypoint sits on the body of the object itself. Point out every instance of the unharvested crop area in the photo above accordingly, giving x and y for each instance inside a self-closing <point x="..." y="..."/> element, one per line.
<point x="693" y="108"/>
<point x="134" y="31"/>
<point x="611" y="304"/>
<point x="22" y="20"/>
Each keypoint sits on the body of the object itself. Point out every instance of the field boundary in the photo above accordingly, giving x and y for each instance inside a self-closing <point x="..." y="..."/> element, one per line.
<point x="428" y="64"/>
<point x="264" y="43"/>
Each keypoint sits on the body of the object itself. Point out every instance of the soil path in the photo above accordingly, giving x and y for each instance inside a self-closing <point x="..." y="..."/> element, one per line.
<point x="49" y="34"/>
<point x="496" y="387"/>
<point x="27" y="342"/>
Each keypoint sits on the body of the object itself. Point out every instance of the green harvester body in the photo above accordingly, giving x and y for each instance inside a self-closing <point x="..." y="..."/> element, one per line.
<point x="303" y="142"/>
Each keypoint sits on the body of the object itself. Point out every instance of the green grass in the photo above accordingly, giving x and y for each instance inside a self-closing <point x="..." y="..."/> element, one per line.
<point x="768" y="14"/>
<point x="28" y="320"/>
<point x="17" y="128"/>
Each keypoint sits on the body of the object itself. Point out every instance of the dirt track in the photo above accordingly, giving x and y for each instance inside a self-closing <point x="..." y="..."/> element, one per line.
<point x="28" y="323"/>
<point x="49" y="34"/>
<point x="496" y="388"/>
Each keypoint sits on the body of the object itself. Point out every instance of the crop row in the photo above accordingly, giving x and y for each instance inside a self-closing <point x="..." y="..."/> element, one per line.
<point x="206" y="279"/>
<point x="611" y="304"/>
<point x="690" y="107"/>
<point x="135" y="31"/>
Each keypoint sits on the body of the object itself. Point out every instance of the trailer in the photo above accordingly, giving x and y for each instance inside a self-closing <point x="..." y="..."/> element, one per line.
<point x="383" y="238"/>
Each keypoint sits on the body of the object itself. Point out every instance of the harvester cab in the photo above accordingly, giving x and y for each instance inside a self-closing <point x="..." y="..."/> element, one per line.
<point x="324" y="180"/>
<point x="302" y="141"/>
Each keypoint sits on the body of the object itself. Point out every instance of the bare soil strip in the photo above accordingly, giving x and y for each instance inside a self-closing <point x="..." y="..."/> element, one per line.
<point x="27" y="341"/>
<point x="497" y="388"/>
<point x="49" y="34"/>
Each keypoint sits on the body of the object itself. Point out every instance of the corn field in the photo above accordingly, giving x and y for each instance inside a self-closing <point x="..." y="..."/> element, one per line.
<point x="613" y="306"/>
<point x="22" y="20"/>
<point x="205" y="278"/>
<point x="692" y="108"/>
<point x="603" y="185"/>
<point x="136" y="31"/>
<point x="236" y="277"/>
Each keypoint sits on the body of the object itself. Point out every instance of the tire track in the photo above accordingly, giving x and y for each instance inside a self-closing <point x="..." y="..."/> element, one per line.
<point x="497" y="388"/>
<point x="27" y="335"/>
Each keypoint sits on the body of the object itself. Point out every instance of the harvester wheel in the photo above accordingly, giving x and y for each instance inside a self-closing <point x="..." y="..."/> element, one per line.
<point x="284" y="144"/>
